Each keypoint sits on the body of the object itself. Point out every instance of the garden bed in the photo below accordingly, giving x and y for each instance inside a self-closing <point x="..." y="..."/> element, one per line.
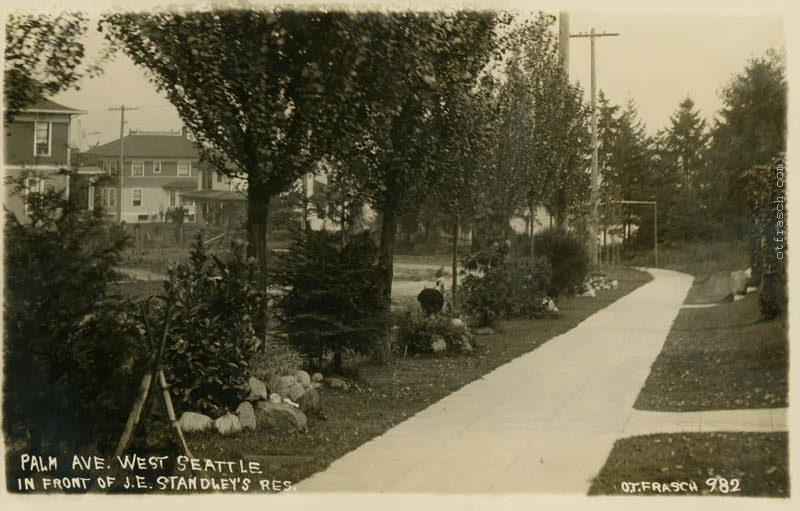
<point x="722" y="357"/>
<point x="757" y="461"/>
<point x="387" y="395"/>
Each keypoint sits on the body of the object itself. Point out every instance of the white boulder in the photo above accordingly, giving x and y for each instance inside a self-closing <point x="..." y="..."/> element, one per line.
<point x="227" y="424"/>
<point x="191" y="421"/>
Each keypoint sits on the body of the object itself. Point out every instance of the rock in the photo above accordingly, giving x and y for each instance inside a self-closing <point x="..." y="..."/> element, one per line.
<point x="316" y="384"/>
<point x="227" y="424"/>
<point x="258" y="390"/>
<point x="246" y="415"/>
<point x="751" y="289"/>
<point x="738" y="281"/>
<point x="485" y="331"/>
<point x="275" y="398"/>
<point x="336" y="383"/>
<point x="317" y="377"/>
<point x="294" y="392"/>
<point x="281" y="417"/>
<point x="281" y="384"/>
<point x="309" y="403"/>
<point x="749" y="272"/>
<point x="552" y="308"/>
<point x="590" y="293"/>
<point x="615" y="284"/>
<point x="438" y="344"/>
<point x="457" y="323"/>
<point x="191" y="421"/>
<point x="290" y="403"/>
<point x="736" y="298"/>
<point x="463" y="343"/>
<point x="303" y="378"/>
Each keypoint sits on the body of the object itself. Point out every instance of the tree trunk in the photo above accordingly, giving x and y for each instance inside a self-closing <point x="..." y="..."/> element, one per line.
<point x="455" y="263"/>
<point x="257" y="211"/>
<point x="533" y="225"/>
<point x="386" y="254"/>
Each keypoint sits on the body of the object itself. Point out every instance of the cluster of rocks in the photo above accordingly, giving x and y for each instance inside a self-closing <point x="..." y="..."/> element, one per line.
<point x="597" y="282"/>
<point x="552" y="309"/>
<point x="739" y="283"/>
<point x="460" y="338"/>
<point x="284" y="405"/>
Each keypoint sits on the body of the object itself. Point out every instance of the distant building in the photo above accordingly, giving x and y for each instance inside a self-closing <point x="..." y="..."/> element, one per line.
<point x="37" y="141"/>
<point x="158" y="168"/>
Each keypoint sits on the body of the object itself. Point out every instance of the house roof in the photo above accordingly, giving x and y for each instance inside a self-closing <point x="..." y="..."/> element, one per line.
<point x="216" y="196"/>
<point x="47" y="106"/>
<point x="181" y="185"/>
<point x="150" y="146"/>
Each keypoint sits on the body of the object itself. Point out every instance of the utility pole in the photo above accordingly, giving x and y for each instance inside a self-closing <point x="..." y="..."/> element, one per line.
<point x="121" y="158"/>
<point x="592" y="35"/>
<point x="563" y="41"/>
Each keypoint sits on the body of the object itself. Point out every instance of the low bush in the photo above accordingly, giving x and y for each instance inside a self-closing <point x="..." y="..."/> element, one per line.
<point x="417" y="332"/>
<point x="212" y="335"/>
<point x="568" y="260"/>
<point x="332" y="301"/>
<point x="514" y="289"/>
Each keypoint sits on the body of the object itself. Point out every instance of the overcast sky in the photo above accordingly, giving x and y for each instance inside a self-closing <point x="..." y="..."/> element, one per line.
<point x="658" y="59"/>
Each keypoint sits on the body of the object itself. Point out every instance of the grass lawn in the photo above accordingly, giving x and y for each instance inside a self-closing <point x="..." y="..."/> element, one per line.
<point x="722" y="357"/>
<point x="758" y="461"/>
<point x="388" y="395"/>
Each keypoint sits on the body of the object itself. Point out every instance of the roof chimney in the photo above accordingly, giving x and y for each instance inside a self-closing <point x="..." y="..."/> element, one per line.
<point x="184" y="132"/>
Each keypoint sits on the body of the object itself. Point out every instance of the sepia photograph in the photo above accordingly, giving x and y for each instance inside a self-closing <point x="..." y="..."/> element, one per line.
<point x="421" y="254"/>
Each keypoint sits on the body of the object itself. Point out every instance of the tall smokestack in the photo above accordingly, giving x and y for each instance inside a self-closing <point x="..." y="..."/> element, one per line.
<point x="563" y="40"/>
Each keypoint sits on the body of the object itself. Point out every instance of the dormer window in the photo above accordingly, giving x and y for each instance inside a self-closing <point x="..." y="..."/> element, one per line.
<point x="41" y="139"/>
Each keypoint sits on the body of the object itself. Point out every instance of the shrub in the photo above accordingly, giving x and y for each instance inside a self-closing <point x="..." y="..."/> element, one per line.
<point x="568" y="260"/>
<point x="72" y="352"/>
<point x="431" y="300"/>
<point x="213" y="331"/>
<point x="768" y="239"/>
<point x="332" y="301"/>
<point x="516" y="289"/>
<point x="416" y="332"/>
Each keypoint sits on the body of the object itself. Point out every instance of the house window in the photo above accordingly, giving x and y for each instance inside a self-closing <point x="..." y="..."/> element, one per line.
<point x="219" y="177"/>
<point x="137" y="169"/>
<point x="173" y="198"/>
<point x="156" y="167"/>
<point x="187" y="202"/>
<point x="184" y="168"/>
<point x="33" y="185"/>
<point x="110" y="167"/>
<point x="42" y="138"/>
<point x="112" y="197"/>
<point x="136" y="194"/>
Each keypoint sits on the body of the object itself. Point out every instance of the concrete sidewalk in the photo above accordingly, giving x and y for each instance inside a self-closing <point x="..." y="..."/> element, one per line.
<point x="543" y="423"/>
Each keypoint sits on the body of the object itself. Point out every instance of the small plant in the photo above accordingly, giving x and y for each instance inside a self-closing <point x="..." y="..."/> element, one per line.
<point x="332" y="303"/>
<point x="431" y="300"/>
<point x="213" y="332"/>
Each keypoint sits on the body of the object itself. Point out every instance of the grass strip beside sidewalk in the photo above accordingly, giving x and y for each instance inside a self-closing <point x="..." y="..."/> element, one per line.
<point x="720" y="358"/>
<point x="756" y="461"/>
